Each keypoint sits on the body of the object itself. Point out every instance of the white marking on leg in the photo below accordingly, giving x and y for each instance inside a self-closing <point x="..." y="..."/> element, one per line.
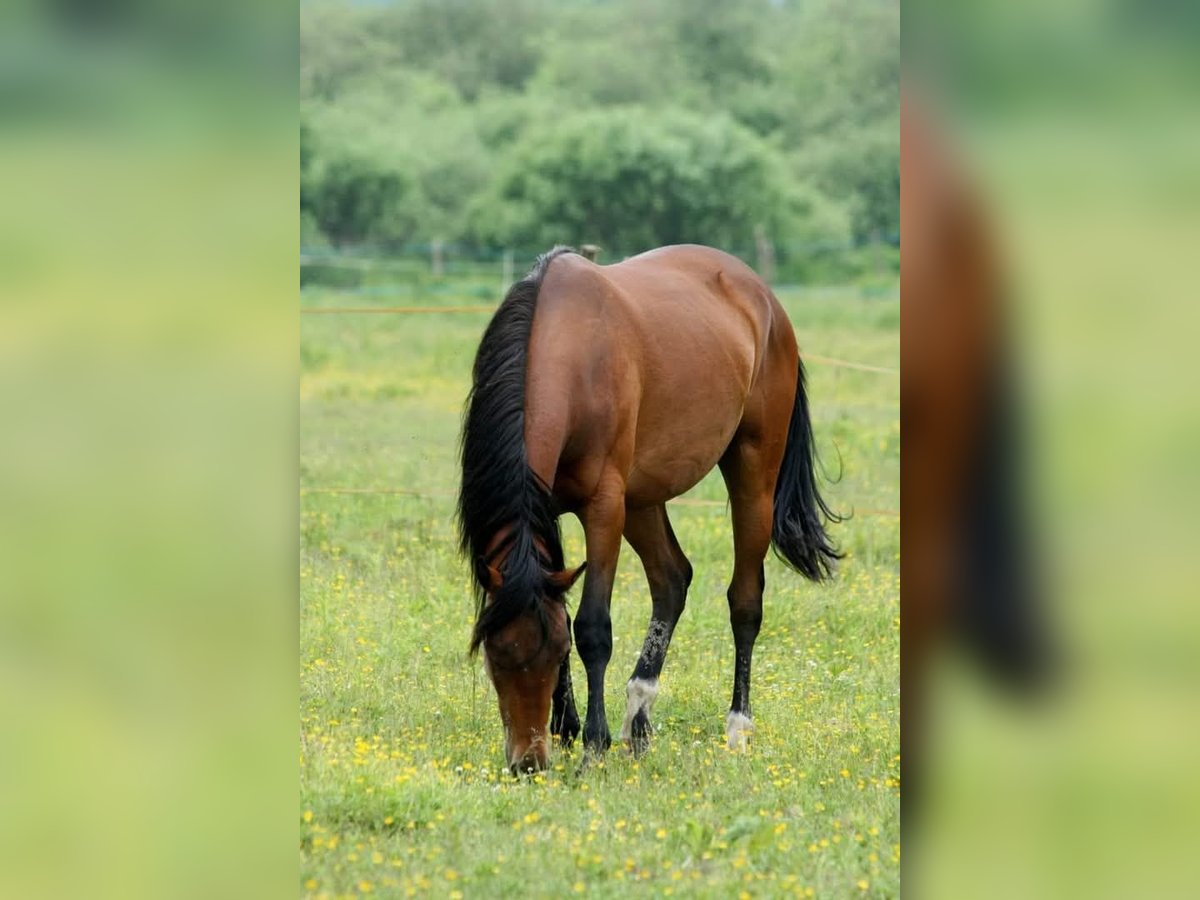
<point x="737" y="730"/>
<point x="640" y="694"/>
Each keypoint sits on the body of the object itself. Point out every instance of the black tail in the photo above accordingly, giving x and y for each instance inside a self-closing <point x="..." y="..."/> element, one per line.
<point x="798" y="532"/>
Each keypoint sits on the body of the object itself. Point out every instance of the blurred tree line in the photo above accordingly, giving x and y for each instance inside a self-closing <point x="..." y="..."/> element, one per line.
<point x="495" y="124"/>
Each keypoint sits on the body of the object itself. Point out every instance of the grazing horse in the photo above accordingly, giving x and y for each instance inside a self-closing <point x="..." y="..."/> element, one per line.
<point x="605" y="391"/>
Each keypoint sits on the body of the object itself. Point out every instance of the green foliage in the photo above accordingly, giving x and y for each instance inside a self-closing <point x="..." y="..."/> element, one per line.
<point x="724" y="45"/>
<point x="840" y="99"/>
<point x="630" y="178"/>
<point x="472" y="44"/>
<point x="629" y="123"/>
<point x="311" y="235"/>
<point x="403" y="133"/>
<point x="363" y="196"/>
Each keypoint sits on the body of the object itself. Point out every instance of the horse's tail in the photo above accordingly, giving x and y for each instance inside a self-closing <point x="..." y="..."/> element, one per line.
<point x="798" y="531"/>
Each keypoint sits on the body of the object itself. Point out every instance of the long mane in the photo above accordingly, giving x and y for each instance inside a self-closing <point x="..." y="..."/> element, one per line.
<point x="498" y="489"/>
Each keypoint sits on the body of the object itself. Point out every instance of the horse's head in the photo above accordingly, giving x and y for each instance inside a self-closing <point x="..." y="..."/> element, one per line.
<point x="523" y="658"/>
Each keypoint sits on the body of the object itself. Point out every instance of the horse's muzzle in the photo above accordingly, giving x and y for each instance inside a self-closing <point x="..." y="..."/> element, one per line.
<point x="534" y="759"/>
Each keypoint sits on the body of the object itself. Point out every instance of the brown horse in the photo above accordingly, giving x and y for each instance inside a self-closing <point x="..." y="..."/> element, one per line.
<point x="605" y="391"/>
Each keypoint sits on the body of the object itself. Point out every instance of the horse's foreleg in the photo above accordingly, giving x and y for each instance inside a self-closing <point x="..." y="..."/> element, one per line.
<point x="564" y="718"/>
<point x="669" y="574"/>
<point x="603" y="520"/>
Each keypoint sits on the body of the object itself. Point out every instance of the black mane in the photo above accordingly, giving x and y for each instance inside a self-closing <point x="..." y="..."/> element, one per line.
<point x="498" y="487"/>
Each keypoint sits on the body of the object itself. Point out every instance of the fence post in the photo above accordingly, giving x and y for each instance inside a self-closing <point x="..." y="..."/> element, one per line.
<point x="590" y="251"/>
<point x="766" y="255"/>
<point x="435" y="251"/>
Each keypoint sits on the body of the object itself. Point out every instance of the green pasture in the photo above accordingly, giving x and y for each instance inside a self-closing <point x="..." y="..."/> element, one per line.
<point x="403" y="790"/>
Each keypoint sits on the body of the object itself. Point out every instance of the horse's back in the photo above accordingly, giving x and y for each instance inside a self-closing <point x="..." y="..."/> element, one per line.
<point x="702" y="279"/>
<point x="704" y="307"/>
<point x="680" y="308"/>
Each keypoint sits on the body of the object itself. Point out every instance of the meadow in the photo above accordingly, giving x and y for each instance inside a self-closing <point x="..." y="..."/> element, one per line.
<point x="403" y="789"/>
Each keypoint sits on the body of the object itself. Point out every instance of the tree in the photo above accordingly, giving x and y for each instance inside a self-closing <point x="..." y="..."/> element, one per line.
<point x="630" y="179"/>
<point x="406" y="134"/>
<point x="364" y="199"/>
<point x="471" y="44"/>
<point x="626" y="122"/>
<point x="840" y="94"/>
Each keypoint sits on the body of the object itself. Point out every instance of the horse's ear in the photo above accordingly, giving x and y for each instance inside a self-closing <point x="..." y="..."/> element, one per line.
<point x="488" y="575"/>
<point x="563" y="580"/>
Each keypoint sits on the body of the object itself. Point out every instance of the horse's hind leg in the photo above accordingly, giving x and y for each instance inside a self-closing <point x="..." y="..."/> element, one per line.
<point x="749" y="469"/>
<point x="669" y="574"/>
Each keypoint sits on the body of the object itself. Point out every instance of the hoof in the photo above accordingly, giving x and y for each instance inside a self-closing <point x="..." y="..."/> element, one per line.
<point x="597" y="743"/>
<point x="567" y="731"/>
<point x="640" y="730"/>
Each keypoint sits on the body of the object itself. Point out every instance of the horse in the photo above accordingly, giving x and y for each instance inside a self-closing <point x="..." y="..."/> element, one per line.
<point x="604" y="391"/>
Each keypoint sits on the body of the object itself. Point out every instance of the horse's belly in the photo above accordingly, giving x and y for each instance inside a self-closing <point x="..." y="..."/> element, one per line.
<point x="688" y="413"/>
<point x="646" y="488"/>
<point x="670" y="459"/>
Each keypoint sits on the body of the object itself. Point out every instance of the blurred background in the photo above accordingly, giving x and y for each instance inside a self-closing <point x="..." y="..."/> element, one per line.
<point x="1073" y="128"/>
<point x="148" y="241"/>
<point x="458" y="134"/>
<point x="147" y="460"/>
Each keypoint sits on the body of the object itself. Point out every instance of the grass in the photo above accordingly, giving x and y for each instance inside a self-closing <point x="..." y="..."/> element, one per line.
<point x="402" y="784"/>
